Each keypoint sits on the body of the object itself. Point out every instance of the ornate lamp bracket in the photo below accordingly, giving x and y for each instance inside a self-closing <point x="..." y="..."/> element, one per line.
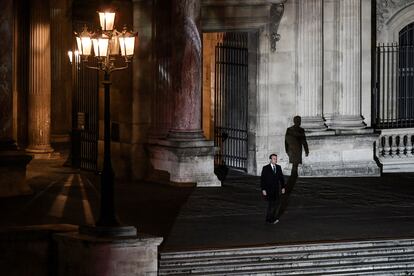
<point x="276" y="12"/>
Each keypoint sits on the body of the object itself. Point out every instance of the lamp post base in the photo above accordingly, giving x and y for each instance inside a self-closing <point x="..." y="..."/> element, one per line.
<point x="108" y="231"/>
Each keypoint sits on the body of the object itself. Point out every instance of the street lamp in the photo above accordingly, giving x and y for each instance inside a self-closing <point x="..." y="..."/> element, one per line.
<point x="107" y="46"/>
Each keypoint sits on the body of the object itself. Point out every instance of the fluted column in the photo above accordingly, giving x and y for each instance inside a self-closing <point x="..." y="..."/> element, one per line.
<point x="310" y="65"/>
<point x="348" y="94"/>
<point x="39" y="98"/>
<point x="187" y="67"/>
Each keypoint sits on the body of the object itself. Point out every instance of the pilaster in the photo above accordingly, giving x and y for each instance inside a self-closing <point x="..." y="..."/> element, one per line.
<point x="348" y="94"/>
<point x="309" y="89"/>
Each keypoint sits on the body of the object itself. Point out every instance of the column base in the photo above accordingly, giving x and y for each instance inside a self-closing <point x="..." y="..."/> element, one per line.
<point x="40" y="151"/>
<point x="313" y="124"/>
<point x="183" y="162"/>
<point x="191" y="135"/>
<point x="13" y="164"/>
<point x="347" y="122"/>
<point x="80" y="254"/>
<point x="112" y="232"/>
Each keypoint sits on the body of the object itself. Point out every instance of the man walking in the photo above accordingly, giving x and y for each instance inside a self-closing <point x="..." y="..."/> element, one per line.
<point x="272" y="184"/>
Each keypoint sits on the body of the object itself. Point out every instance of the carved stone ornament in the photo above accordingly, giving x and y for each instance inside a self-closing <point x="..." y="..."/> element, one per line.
<point x="387" y="8"/>
<point x="276" y="13"/>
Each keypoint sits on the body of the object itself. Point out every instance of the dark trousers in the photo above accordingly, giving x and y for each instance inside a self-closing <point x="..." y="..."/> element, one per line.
<point x="272" y="210"/>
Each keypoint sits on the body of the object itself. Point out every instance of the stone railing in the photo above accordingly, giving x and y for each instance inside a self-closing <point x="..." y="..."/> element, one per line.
<point x="394" y="150"/>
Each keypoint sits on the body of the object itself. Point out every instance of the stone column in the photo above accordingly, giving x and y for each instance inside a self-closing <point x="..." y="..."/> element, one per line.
<point x="348" y="94"/>
<point x="6" y="56"/>
<point x="12" y="160"/>
<point x="187" y="67"/>
<point x="39" y="98"/>
<point x="142" y="86"/>
<point x="61" y="82"/>
<point x="185" y="157"/>
<point x="309" y="89"/>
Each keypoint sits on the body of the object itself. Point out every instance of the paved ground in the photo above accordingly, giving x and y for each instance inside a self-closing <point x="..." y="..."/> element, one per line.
<point x="322" y="209"/>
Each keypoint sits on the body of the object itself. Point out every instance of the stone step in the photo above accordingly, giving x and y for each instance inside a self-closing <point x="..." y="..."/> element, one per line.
<point x="287" y="257"/>
<point x="297" y="268"/>
<point x="378" y="257"/>
<point x="288" y="248"/>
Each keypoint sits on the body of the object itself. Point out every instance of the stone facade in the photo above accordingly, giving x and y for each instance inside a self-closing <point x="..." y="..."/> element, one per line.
<point x="321" y="70"/>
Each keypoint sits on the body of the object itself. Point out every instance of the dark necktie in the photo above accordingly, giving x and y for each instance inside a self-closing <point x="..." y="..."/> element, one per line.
<point x="274" y="169"/>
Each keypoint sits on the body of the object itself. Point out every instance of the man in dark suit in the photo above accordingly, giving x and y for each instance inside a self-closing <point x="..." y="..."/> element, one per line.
<point x="272" y="184"/>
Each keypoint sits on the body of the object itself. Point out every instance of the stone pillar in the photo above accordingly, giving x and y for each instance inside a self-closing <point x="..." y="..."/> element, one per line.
<point x="309" y="89"/>
<point x="348" y="94"/>
<point x="185" y="156"/>
<point x="187" y="67"/>
<point x="61" y="81"/>
<point x="12" y="160"/>
<point x="39" y="98"/>
<point x="6" y="56"/>
<point x="142" y="86"/>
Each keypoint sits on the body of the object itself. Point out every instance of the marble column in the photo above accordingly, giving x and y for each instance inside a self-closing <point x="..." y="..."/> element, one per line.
<point x="187" y="68"/>
<point x="309" y="89"/>
<point x="348" y="94"/>
<point x="185" y="157"/>
<point x="39" y="98"/>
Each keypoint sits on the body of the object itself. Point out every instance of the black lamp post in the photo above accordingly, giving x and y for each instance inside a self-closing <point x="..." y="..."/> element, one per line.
<point x="108" y="45"/>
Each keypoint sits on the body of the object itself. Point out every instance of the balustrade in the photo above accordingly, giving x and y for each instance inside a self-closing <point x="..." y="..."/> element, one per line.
<point x="395" y="145"/>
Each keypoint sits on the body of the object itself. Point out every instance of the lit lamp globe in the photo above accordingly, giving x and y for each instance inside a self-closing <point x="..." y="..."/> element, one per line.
<point x="107" y="20"/>
<point x="127" y="43"/>
<point x="84" y="42"/>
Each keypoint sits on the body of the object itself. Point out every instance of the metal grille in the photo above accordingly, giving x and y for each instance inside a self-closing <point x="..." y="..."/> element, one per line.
<point x="394" y="92"/>
<point x="85" y="108"/>
<point x="231" y="100"/>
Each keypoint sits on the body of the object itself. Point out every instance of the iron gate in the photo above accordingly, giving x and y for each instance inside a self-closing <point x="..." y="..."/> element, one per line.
<point x="231" y="100"/>
<point x="85" y="118"/>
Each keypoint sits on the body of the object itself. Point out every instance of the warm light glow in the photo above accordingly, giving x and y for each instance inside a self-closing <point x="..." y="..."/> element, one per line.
<point x="70" y="55"/>
<point x="79" y="44"/>
<point x="127" y="43"/>
<point x="107" y="20"/>
<point x="114" y="44"/>
<point x="77" y="56"/>
<point x="100" y="46"/>
<point x="84" y="42"/>
<point x="86" y="46"/>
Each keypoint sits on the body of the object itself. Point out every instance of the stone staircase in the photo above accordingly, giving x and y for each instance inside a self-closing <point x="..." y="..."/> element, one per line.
<point x="374" y="257"/>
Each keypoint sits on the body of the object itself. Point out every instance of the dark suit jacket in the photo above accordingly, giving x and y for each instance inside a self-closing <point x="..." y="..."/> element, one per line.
<point x="272" y="182"/>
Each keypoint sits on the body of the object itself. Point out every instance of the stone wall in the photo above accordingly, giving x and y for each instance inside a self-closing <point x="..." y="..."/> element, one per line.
<point x="338" y="98"/>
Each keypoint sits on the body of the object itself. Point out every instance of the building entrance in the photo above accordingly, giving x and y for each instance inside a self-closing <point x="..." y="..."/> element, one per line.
<point x="229" y="95"/>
